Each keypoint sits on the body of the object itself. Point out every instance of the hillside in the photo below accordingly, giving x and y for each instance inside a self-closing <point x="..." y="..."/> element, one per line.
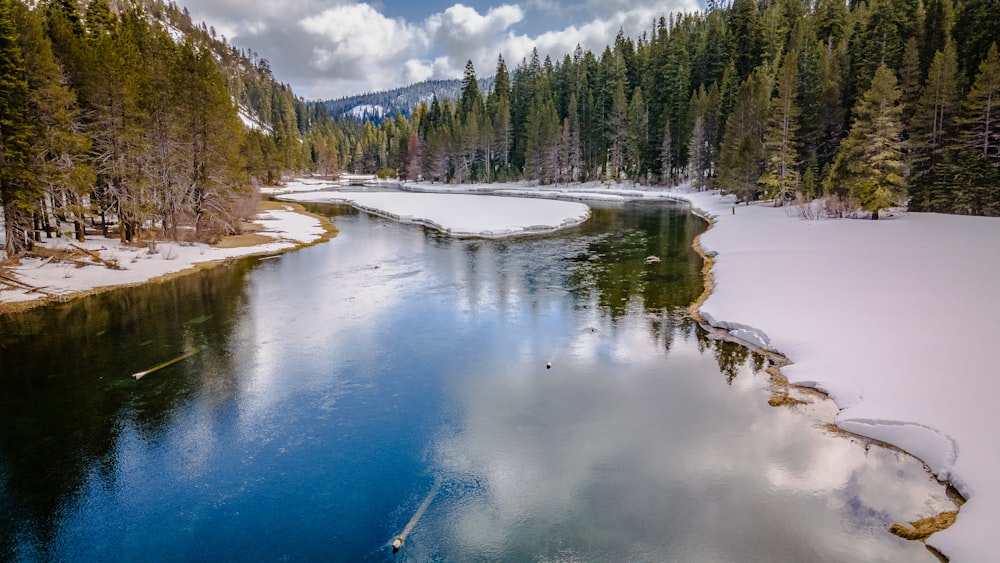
<point x="378" y="106"/>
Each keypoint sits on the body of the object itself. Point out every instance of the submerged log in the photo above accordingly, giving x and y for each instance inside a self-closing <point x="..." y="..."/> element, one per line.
<point x="139" y="375"/>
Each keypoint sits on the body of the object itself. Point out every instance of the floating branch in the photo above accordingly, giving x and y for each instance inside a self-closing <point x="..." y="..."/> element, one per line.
<point x="141" y="374"/>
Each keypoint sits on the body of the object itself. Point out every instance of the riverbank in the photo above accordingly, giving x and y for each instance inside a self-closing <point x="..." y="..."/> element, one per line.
<point x="892" y="319"/>
<point x="65" y="269"/>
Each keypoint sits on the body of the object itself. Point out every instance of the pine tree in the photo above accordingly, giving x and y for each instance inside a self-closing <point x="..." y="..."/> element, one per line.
<point x="977" y="25"/>
<point x="939" y="19"/>
<point x="910" y="79"/>
<point x="58" y="151"/>
<point x="17" y="184"/>
<point x="870" y="164"/>
<point x="498" y="108"/>
<point x="616" y="130"/>
<point x="742" y="153"/>
<point x="470" y="92"/>
<point x="697" y="149"/>
<point x="832" y="111"/>
<point x="979" y="142"/>
<point x="808" y="96"/>
<point x="932" y="131"/>
<point x="666" y="163"/>
<point x="747" y="36"/>
<point x="780" y="178"/>
<point x="637" y="133"/>
<point x="981" y="122"/>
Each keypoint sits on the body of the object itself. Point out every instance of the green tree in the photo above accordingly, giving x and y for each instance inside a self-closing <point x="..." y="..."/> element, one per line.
<point x="666" y="162"/>
<point x="17" y="184"/>
<point x="213" y="174"/>
<point x="471" y="98"/>
<point x="978" y="170"/>
<point x="932" y="135"/>
<point x="781" y="178"/>
<point x="870" y="164"/>
<point x="637" y="134"/>
<point x="58" y="150"/>
<point x="981" y="121"/>
<point x="742" y="154"/>
<point x="617" y="128"/>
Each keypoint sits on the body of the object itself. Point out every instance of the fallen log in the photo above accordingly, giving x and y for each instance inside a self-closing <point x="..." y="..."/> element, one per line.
<point x="113" y="264"/>
<point x="18" y="284"/>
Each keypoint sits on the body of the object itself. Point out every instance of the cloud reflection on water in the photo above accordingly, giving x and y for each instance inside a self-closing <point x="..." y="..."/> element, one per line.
<point x="630" y="463"/>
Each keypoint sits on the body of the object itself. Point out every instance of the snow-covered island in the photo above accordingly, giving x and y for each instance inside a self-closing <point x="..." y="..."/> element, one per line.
<point x="106" y="263"/>
<point x="462" y="215"/>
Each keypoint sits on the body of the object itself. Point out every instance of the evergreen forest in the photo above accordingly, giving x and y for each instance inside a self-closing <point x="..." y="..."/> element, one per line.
<point x="125" y="116"/>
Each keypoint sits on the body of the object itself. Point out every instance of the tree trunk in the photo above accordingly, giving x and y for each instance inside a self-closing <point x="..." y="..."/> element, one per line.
<point x="875" y="215"/>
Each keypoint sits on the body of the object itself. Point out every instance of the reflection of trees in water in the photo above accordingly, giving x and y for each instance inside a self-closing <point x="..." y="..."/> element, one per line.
<point x="730" y="356"/>
<point x="66" y="394"/>
<point x="612" y="266"/>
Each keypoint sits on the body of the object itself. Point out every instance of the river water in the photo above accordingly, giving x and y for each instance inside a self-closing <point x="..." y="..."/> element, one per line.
<point x="337" y="386"/>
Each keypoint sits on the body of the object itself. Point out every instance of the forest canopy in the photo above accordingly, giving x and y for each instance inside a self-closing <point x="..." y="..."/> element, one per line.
<point x="124" y="116"/>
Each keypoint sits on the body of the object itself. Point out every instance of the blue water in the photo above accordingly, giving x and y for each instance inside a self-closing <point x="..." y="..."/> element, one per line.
<point x="336" y="384"/>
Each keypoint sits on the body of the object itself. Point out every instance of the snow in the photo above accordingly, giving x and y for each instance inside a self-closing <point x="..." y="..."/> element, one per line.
<point x="895" y="319"/>
<point x="138" y="264"/>
<point x="299" y="185"/>
<point x="365" y="110"/>
<point x="463" y="215"/>
<point x="251" y="122"/>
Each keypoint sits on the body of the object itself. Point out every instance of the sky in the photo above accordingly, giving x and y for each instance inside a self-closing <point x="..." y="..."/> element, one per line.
<point x="327" y="49"/>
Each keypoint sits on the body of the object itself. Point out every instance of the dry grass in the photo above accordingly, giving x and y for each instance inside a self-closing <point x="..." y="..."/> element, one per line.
<point x="783" y="399"/>
<point x="250" y="236"/>
<point x="706" y="273"/>
<point x="925" y="527"/>
<point x="243" y="240"/>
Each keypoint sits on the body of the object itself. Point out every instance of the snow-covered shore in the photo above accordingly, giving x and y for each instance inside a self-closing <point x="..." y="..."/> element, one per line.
<point x="287" y="228"/>
<point x="894" y="319"/>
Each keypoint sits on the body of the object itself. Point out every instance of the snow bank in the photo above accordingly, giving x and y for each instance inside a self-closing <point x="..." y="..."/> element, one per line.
<point x="895" y="319"/>
<point x="139" y="264"/>
<point x="462" y="215"/>
<point x="299" y="185"/>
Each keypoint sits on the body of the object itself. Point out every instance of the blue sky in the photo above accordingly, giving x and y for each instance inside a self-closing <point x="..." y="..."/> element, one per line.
<point x="334" y="48"/>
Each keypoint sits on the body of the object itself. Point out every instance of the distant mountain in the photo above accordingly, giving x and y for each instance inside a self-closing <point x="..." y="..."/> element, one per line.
<point x="378" y="106"/>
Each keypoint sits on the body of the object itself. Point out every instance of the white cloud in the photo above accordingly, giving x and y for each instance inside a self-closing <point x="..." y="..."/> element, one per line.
<point x="415" y="70"/>
<point x="355" y="39"/>
<point x="332" y="48"/>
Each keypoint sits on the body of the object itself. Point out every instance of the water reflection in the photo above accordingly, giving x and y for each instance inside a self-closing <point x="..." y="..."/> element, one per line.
<point x="337" y="383"/>
<point x="66" y="397"/>
<point x="645" y="464"/>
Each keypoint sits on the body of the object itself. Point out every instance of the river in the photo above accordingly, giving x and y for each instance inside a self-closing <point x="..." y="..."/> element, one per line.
<point x="541" y="398"/>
